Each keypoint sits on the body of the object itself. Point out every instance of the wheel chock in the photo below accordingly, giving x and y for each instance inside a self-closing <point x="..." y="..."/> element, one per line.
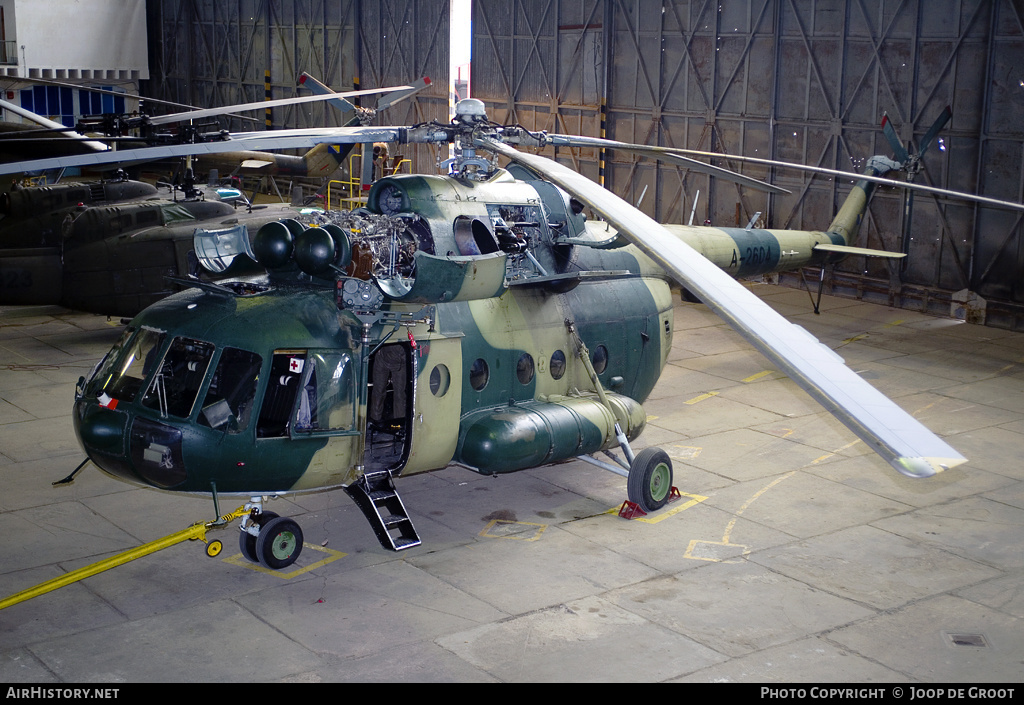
<point x="631" y="510"/>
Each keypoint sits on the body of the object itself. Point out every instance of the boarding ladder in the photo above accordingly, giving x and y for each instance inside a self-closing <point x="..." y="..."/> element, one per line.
<point x="375" y="495"/>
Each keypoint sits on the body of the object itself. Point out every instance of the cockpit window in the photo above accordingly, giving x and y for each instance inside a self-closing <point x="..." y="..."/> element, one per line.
<point x="176" y="384"/>
<point x="122" y="374"/>
<point x="232" y="392"/>
<point x="104" y="368"/>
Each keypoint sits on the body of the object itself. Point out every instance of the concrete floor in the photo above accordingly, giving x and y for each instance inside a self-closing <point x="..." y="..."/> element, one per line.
<point x="795" y="556"/>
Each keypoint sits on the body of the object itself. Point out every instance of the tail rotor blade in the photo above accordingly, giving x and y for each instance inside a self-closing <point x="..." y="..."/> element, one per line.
<point x="936" y="127"/>
<point x="898" y="150"/>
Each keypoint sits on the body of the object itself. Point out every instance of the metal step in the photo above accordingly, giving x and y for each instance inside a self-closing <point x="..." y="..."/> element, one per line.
<point x="374" y="493"/>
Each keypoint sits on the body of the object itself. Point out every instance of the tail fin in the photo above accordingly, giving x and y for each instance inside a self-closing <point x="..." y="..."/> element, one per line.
<point x="324" y="159"/>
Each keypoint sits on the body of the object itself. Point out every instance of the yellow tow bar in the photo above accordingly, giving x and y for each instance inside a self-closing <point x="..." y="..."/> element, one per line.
<point x="196" y="531"/>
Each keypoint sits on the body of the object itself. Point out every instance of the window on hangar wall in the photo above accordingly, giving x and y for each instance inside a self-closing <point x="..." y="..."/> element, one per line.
<point x="58" y="102"/>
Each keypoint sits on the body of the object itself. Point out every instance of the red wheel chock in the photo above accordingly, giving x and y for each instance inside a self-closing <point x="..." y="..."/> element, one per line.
<point x="632" y="510"/>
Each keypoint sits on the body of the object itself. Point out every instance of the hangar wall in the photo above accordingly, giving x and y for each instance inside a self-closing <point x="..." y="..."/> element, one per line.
<point x="804" y="82"/>
<point x="208" y="53"/>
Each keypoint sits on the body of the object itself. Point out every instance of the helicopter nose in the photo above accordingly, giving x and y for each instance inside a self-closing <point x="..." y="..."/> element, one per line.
<point x="101" y="429"/>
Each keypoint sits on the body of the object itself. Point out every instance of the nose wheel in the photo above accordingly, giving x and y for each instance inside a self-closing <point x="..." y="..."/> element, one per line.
<point x="277" y="543"/>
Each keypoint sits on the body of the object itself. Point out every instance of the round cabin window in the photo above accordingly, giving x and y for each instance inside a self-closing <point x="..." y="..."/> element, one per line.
<point x="524" y="368"/>
<point x="478" y="374"/>
<point x="557" y="364"/>
<point x="440" y="380"/>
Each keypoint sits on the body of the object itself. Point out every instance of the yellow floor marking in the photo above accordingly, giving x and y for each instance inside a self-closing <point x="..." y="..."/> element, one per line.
<point x="758" y="376"/>
<point x="702" y="397"/>
<point x="693" y="550"/>
<point x="687" y="452"/>
<point x="519" y="536"/>
<point x="332" y="555"/>
<point x="695" y="499"/>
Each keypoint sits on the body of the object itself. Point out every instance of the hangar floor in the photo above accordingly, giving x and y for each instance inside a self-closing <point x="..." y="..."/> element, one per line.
<point x="795" y="555"/>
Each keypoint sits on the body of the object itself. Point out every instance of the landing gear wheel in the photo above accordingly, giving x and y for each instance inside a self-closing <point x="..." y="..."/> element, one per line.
<point x="279" y="543"/>
<point x="650" y="479"/>
<point x="247" y="542"/>
<point x="214" y="548"/>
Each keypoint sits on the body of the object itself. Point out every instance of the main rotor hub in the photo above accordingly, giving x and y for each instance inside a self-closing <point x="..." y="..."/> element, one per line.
<point x="470" y="112"/>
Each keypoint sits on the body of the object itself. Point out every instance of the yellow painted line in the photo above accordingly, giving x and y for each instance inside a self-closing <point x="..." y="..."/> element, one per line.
<point x="522" y="536"/>
<point x="692" y="551"/>
<point x="856" y="338"/>
<point x="758" y="376"/>
<point x="687" y="452"/>
<point x="663" y="514"/>
<point x="332" y="555"/>
<point x="732" y="523"/>
<point x="701" y="398"/>
<point x="695" y="499"/>
<point x="893" y="323"/>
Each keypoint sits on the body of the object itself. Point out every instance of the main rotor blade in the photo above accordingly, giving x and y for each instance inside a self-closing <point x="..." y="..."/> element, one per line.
<point x="46" y="122"/>
<point x="1011" y="205"/>
<point x="247" y="141"/>
<point x="259" y="105"/>
<point x="385" y="101"/>
<point x="665" y="154"/>
<point x="887" y="429"/>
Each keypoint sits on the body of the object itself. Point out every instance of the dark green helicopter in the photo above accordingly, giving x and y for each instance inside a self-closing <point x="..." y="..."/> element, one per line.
<point x="109" y="246"/>
<point x="475" y="318"/>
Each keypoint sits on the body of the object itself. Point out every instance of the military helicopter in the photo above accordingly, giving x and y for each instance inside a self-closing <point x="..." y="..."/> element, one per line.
<point x="108" y="247"/>
<point x="475" y="318"/>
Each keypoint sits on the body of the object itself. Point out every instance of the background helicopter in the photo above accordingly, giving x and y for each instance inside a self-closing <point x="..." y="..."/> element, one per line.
<point x="109" y="247"/>
<point x="503" y="289"/>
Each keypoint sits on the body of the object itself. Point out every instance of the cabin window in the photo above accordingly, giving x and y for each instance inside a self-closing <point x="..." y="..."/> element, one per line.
<point x="479" y="373"/>
<point x="147" y="217"/>
<point x="557" y="366"/>
<point x="176" y="384"/>
<point x="232" y="392"/>
<point x="440" y="380"/>
<point x="282" y="388"/>
<point x="308" y="394"/>
<point x="326" y="401"/>
<point x="600" y="359"/>
<point x="125" y="376"/>
<point x="525" y="368"/>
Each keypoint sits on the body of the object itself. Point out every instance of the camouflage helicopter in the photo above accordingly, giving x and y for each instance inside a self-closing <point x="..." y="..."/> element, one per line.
<point x="475" y="318"/>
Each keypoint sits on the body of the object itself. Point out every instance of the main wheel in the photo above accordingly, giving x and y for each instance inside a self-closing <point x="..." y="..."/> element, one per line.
<point x="650" y="479"/>
<point x="247" y="542"/>
<point x="279" y="543"/>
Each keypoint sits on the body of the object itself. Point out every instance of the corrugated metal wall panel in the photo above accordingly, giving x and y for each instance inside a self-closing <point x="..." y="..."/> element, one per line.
<point x="806" y="82"/>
